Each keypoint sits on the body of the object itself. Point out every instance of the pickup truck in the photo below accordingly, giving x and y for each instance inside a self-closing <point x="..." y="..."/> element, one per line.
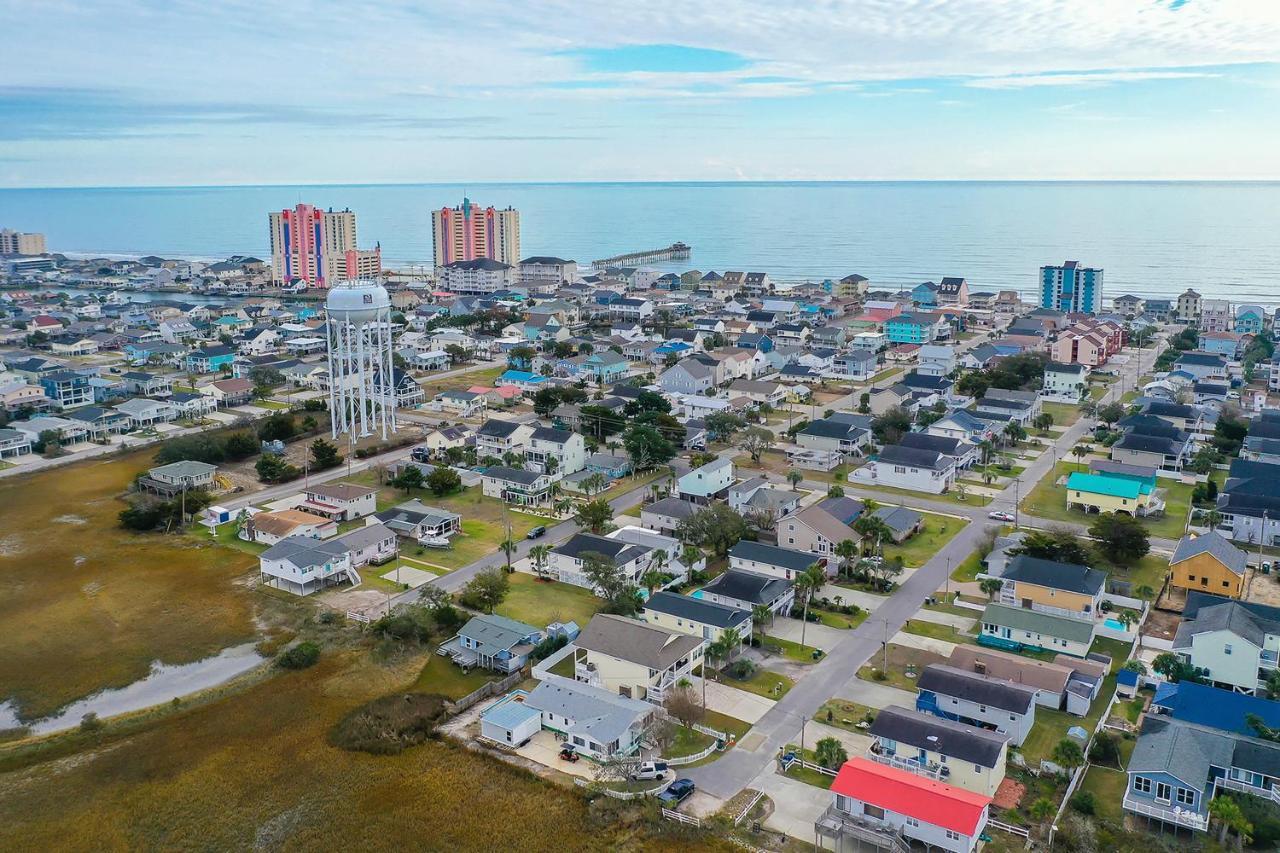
<point x="676" y="793"/>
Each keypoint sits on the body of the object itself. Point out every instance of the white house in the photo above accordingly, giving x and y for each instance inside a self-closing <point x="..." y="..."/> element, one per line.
<point x="935" y="360"/>
<point x="1065" y="382"/>
<point x="978" y="700"/>
<point x="374" y="544"/>
<point x="908" y="468"/>
<point x="633" y="659"/>
<point x="702" y="485"/>
<point x="144" y="413"/>
<point x="302" y="565"/>
<point x="497" y="438"/>
<point x="340" y="501"/>
<point x="516" y="486"/>
<point x="566" y="561"/>
<point x="555" y="451"/>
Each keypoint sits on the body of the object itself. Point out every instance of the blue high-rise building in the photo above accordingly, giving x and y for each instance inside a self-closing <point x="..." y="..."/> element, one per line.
<point x="1071" y="288"/>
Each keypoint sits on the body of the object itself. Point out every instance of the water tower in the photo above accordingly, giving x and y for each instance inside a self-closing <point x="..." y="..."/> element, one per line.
<point x="362" y="394"/>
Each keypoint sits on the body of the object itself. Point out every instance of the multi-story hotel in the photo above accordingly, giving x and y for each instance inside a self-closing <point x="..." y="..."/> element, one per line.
<point x="469" y="233"/>
<point x="18" y="243"/>
<point x="1071" y="288"/>
<point x="319" y="247"/>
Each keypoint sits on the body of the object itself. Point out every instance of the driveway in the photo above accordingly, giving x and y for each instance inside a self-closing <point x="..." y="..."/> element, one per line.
<point x="875" y="695"/>
<point x="796" y="805"/>
<point x="928" y="644"/>
<point x="937" y="617"/>
<point x="543" y="748"/>
<point x="818" y="636"/>
<point x="739" y="704"/>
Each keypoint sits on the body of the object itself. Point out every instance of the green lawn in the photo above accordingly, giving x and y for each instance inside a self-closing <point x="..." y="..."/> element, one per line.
<point x="794" y="651"/>
<point x="771" y="685"/>
<point x="1051" y="726"/>
<point x="921" y="628"/>
<point x="971" y="499"/>
<point x="1064" y="414"/>
<point x="968" y="570"/>
<point x="539" y="603"/>
<point x="1117" y="650"/>
<point x="839" y="620"/>
<point x="954" y="610"/>
<point x="844" y="714"/>
<point x="1048" y="500"/>
<point x="937" y="532"/>
<point x="901" y="658"/>
<point x="688" y="742"/>
<point x="228" y="535"/>
<point x="443" y="676"/>
<point x="1108" y="789"/>
<point x="1149" y="571"/>
<point x="804" y="774"/>
<point x="724" y="723"/>
<point x="564" y="667"/>
<point x="270" y="404"/>
<point x="463" y="381"/>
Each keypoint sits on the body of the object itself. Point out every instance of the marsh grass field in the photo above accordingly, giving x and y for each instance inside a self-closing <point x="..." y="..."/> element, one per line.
<point x="85" y="605"/>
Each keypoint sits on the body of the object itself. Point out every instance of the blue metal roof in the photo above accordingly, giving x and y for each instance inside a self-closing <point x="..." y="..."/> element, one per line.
<point x="1215" y="708"/>
<point x="509" y="713"/>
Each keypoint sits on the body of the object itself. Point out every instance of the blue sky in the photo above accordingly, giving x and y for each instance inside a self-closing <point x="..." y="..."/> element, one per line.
<point x="184" y="92"/>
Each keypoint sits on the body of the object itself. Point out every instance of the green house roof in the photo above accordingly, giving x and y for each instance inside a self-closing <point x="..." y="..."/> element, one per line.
<point x="1101" y="484"/>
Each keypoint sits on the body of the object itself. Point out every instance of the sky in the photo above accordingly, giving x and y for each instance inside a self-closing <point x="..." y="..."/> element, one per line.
<point x="182" y="92"/>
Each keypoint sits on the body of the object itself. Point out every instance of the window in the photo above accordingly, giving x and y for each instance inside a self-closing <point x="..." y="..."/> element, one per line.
<point x="912" y="822"/>
<point x="873" y="811"/>
<point x="1163" y="790"/>
<point x="1186" y="796"/>
<point x="952" y="835"/>
<point x="982" y="709"/>
<point x="1142" y="784"/>
<point x="1226" y="649"/>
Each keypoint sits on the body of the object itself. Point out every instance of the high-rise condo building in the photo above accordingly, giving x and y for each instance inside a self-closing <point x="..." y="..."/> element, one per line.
<point x="1071" y="288"/>
<point x="17" y="243"/>
<point x="319" y="247"/>
<point x="468" y="233"/>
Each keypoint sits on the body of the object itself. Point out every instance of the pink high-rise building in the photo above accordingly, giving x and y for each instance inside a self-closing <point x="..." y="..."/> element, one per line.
<point x="319" y="247"/>
<point x="469" y="233"/>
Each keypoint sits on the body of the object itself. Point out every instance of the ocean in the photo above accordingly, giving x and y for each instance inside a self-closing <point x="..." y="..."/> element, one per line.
<point x="1152" y="238"/>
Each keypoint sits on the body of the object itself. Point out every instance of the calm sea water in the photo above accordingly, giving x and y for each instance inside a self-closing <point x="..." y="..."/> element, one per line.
<point x="1153" y="239"/>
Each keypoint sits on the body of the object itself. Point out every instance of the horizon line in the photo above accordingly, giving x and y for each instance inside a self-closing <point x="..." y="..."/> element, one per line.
<point x="665" y="182"/>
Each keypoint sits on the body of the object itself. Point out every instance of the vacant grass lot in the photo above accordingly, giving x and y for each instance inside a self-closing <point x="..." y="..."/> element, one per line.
<point x="938" y="531"/>
<point x="970" y="499"/>
<point x="968" y="570"/>
<point x="771" y="685"/>
<point x="1064" y="414"/>
<point x="539" y="603"/>
<point x="434" y="385"/>
<point x="86" y="605"/>
<point x="1048" y="500"/>
<point x="790" y="650"/>
<point x="443" y="676"/>
<point x="255" y="770"/>
<point x="1108" y="789"/>
<point x="844" y="714"/>
<point x="901" y="658"/>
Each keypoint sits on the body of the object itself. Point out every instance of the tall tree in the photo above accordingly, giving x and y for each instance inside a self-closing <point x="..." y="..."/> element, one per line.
<point x="486" y="590"/>
<point x="594" y="515"/>
<point x="755" y="441"/>
<point x="716" y="527"/>
<point x="1122" y="539"/>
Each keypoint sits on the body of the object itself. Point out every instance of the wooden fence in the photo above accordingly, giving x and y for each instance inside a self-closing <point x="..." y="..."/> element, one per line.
<point x="483" y="692"/>
<point x="688" y="820"/>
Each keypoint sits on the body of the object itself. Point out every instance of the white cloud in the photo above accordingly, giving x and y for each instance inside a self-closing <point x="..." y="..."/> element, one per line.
<point x="1101" y="78"/>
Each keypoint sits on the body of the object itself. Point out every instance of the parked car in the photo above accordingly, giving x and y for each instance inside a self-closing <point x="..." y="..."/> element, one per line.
<point x="1001" y="515"/>
<point x="568" y="753"/>
<point x="536" y="532"/>
<point x="676" y="793"/>
<point x="650" y="770"/>
<point x="421" y="454"/>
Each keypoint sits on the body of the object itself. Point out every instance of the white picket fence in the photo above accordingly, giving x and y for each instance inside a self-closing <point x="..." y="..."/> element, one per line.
<point x="689" y="759"/>
<point x="707" y="730"/>
<point x="751" y="804"/>
<point x="1022" y="832"/>
<point x="357" y="616"/>
<point x="688" y="820"/>
<point x="621" y="795"/>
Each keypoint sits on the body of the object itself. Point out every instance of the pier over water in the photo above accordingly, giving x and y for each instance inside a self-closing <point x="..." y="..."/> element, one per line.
<point x="674" y="252"/>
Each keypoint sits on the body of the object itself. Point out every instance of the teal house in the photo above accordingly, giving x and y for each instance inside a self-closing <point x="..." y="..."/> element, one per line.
<point x="1250" y="319"/>
<point x="913" y="328"/>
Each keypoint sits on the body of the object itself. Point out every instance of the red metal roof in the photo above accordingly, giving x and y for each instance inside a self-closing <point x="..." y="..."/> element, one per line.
<point x="924" y="799"/>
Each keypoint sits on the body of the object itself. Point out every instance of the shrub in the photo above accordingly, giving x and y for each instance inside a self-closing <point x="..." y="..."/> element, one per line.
<point x="548" y="647"/>
<point x="1084" y="802"/>
<point x="741" y="669"/>
<point x="1104" y="750"/>
<point x="389" y="725"/>
<point x="301" y="656"/>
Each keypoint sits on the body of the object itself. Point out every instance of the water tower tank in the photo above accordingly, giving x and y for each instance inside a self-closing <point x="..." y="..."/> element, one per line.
<point x="357" y="302"/>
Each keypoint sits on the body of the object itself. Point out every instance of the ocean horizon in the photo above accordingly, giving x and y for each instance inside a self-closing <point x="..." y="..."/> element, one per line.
<point x="1153" y="238"/>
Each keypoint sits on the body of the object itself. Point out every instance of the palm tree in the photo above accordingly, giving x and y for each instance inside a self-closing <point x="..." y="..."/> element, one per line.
<point x="733" y="642"/>
<point x="538" y="556"/>
<point x="1080" y="451"/>
<point x="690" y="556"/>
<point x="760" y="614"/>
<point x="651" y="580"/>
<point x="794" y="478"/>
<point x="991" y="586"/>
<point x="807" y="583"/>
<point x="985" y="447"/>
<point x="846" y="550"/>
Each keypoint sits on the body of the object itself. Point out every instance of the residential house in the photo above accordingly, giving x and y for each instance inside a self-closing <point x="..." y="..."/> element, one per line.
<point x="857" y="365"/>
<point x="903" y="523"/>
<point x="555" y="451"/>
<point x="210" y="359"/>
<point x="1232" y="644"/>
<point x="101" y="422"/>
<point x="938" y="748"/>
<point x="1096" y="493"/>
<point x="1049" y="586"/>
<point x="415" y="520"/>
<point x="961" y="452"/>
<point x="143" y="413"/>
<point x="756" y="498"/>
<point x="749" y="590"/>
<point x="1208" y="563"/>
<point x="598" y="724"/>
<point x="1050" y="680"/>
<point x="497" y="438"/>
<point x="13" y="443"/>
<point x="493" y="642"/>
<point x="819" y="528"/>
<point x="374" y="544"/>
<point x="916" y="328"/>
<point x="1250" y="502"/>
<point x="566" y="562"/>
<point x="268" y="528"/>
<point x="892" y="808"/>
<point x="977" y="700"/>
<point x="696" y="616"/>
<point x="1017" y="628"/>
<point x="634" y="659"/>
<point x="996" y="401"/>
<point x="936" y="360"/>
<point x="1250" y="319"/>
<point x="340" y="501"/>
<point x="665" y="515"/>
<point x="908" y="468"/>
<point x="689" y="376"/>
<point x="1066" y="382"/>
<point x="1216" y="315"/>
<point x="66" y="389"/>
<point x="302" y="565"/>
<point x="464" y="404"/>
<point x="841" y="433"/>
<point x="707" y="483"/>
<point x="229" y="392"/>
<point x="772" y="561"/>
<point x="962" y="424"/>
<point x="438" y="441"/>
<point x="1203" y="365"/>
<point x="177" y="477"/>
<point x="770" y="393"/>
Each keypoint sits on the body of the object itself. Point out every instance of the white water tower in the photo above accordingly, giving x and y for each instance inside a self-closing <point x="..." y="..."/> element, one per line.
<point x="362" y="394"/>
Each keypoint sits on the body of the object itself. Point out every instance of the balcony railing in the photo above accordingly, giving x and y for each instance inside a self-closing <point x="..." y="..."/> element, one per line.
<point x="1177" y="815"/>
<point x="1272" y="794"/>
<point x="905" y="764"/>
<point x="837" y="824"/>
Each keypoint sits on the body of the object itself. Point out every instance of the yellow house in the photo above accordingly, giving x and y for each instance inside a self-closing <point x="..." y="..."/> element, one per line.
<point x="1052" y="587"/>
<point x="1095" y="493"/>
<point x="704" y="619"/>
<point x="942" y="749"/>
<point x="634" y="659"/>
<point x="1208" y="563"/>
